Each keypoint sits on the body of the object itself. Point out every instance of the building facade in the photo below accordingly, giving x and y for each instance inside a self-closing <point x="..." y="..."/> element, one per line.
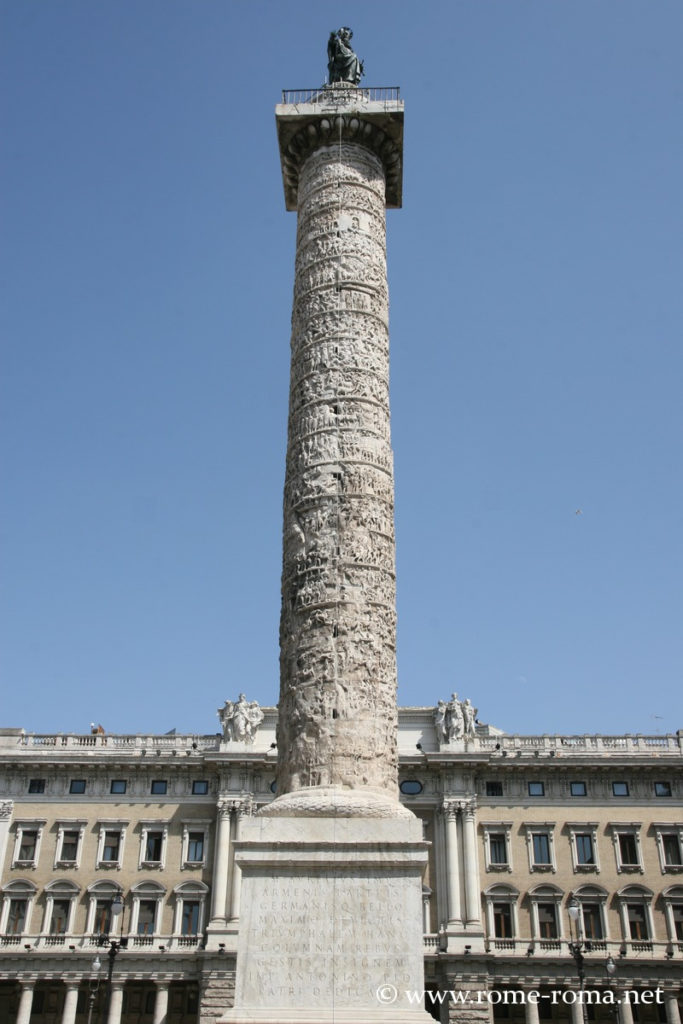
<point x="518" y="828"/>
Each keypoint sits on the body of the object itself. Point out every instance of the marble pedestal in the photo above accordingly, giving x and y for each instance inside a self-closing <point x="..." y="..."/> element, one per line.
<point x="332" y="919"/>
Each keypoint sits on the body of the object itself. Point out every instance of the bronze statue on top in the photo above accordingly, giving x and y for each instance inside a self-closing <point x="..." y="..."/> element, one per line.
<point x="342" y="63"/>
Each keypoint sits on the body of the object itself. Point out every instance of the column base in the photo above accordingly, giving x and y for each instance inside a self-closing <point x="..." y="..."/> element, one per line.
<point x="283" y="1015"/>
<point x="331" y="924"/>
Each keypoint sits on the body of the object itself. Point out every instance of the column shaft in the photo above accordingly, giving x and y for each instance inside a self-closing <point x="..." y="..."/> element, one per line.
<point x="673" y="1010"/>
<point x="452" y="865"/>
<point x="531" y="1012"/>
<point x="625" y="1009"/>
<point x="70" y="1003"/>
<point x="338" y="722"/>
<point x="472" y="888"/>
<point x="221" y="862"/>
<point x="25" y="1002"/>
<point x="236" y="890"/>
<point x="115" y="1003"/>
<point x="161" y="1003"/>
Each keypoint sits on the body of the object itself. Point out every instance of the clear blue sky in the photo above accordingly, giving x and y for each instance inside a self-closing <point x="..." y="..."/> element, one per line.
<point x="537" y="313"/>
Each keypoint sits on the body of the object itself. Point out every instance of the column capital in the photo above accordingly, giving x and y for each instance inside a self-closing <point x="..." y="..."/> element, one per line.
<point x="450" y="808"/>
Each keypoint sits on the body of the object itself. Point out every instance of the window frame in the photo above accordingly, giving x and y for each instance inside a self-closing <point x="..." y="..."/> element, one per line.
<point x="118" y="782"/>
<point x="200" y="782"/>
<point x="22" y="826"/>
<point x="58" y="891"/>
<point x="146" y="891"/>
<point x="547" y="895"/>
<point x="535" y="782"/>
<point x="578" y="782"/>
<point x="636" y="896"/>
<point x="185" y="893"/>
<point x="39" y="784"/>
<point x="673" y="830"/>
<point x="497" y="895"/>
<point x="547" y="830"/>
<point x="153" y="825"/>
<point x="584" y="828"/>
<point x="497" y="828"/>
<point x="105" y="826"/>
<point x="65" y="825"/>
<point x="191" y="825"/>
<point x="625" y="784"/>
<point x="19" y="890"/>
<point x="593" y="896"/>
<point x="631" y="829"/>
<point x="101" y="892"/>
<point x="158" y="792"/>
<point x="673" y="900"/>
<point x="74" y="787"/>
<point x="668" y="794"/>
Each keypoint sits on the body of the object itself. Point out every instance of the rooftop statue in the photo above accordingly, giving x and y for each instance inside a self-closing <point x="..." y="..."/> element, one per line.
<point x="342" y="63"/>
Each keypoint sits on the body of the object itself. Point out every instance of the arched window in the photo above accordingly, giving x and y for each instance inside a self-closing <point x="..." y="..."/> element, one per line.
<point x="60" y="904"/>
<point x="189" y="911"/>
<point x="100" y="920"/>
<point x="635" y="909"/>
<point x="501" y="915"/>
<point x="593" y="920"/>
<point x="546" y="916"/>
<point x="146" y="912"/>
<point x="673" y="911"/>
<point x="17" y="905"/>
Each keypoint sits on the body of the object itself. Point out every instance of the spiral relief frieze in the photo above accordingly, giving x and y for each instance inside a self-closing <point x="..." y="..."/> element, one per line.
<point x="337" y="721"/>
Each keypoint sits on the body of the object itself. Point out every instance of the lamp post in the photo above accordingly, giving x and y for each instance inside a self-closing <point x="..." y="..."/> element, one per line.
<point x="611" y="969"/>
<point x="114" y="946"/>
<point x="93" y="987"/>
<point x="576" y="948"/>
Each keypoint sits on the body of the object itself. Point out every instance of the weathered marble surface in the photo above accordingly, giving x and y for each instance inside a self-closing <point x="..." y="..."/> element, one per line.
<point x="332" y="912"/>
<point x="337" y="722"/>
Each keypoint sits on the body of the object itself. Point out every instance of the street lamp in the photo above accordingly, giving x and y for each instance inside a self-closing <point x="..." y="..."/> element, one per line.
<point x="576" y="948"/>
<point x="93" y="987"/>
<point x="116" y="907"/>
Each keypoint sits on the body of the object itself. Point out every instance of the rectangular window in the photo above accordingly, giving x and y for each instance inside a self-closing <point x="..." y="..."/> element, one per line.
<point x="102" y="923"/>
<point x="118" y="786"/>
<point x="153" y="844"/>
<point x="541" y="841"/>
<point x="195" y="847"/>
<point x="36" y="785"/>
<point x="111" y="846"/>
<point x="620" y="789"/>
<point x="628" y="850"/>
<point x="27" y="848"/>
<point x="69" y="851"/>
<point x="498" y="853"/>
<point x="637" y="922"/>
<point x="677" y="911"/>
<point x="585" y="854"/>
<point x="592" y="921"/>
<point x="159" y="786"/>
<point x="60" y="917"/>
<point x="77" y="786"/>
<point x="578" y="788"/>
<point x="547" y="921"/>
<point x="502" y="920"/>
<point x="16" y="917"/>
<point x="536" y="789"/>
<point x="672" y="849"/>
<point x="494" y="788"/>
<point x="662" y="789"/>
<point x="200" y="787"/>
<point x="146" y="917"/>
<point x="190" y="920"/>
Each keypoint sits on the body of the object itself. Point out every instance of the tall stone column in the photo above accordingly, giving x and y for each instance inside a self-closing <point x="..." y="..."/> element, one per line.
<point x="115" y="1003"/>
<point x="338" y="719"/>
<point x="331" y="923"/>
<point x="25" y="1002"/>
<point x="450" y="810"/>
<point x="70" y="1002"/>
<point x="472" y="886"/>
<point x="161" y="1003"/>
<point x="221" y="864"/>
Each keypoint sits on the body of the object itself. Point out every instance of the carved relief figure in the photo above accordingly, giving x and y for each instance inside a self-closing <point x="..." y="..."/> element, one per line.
<point x="240" y="719"/>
